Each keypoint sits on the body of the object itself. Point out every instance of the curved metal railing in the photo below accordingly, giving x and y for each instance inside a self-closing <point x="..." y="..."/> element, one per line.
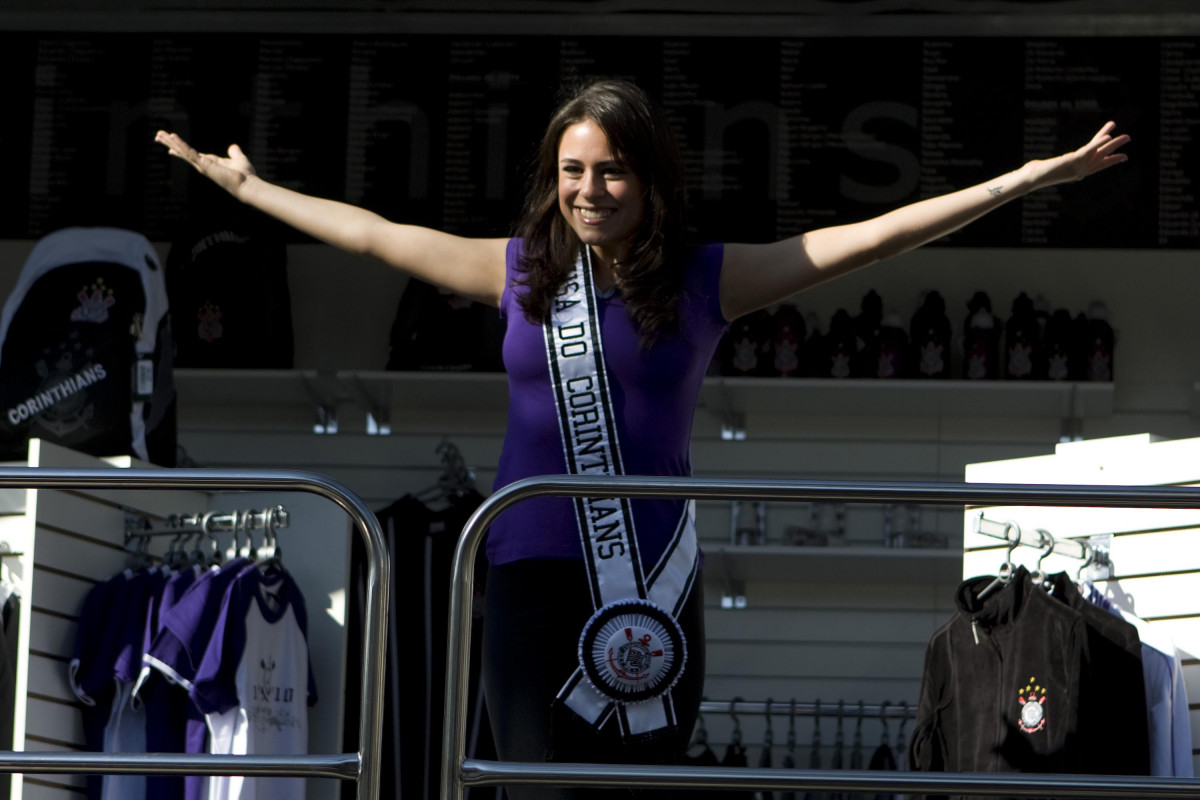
<point x="458" y="772"/>
<point x="362" y="766"/>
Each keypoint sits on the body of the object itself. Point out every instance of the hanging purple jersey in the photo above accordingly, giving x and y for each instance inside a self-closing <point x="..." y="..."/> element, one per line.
<point x="254" y="683"/>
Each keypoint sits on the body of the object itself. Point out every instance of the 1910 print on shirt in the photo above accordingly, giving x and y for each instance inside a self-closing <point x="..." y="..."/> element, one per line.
<point x="254" y="684"/>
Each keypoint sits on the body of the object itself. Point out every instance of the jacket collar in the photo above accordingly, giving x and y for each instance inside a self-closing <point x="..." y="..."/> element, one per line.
<point x="999" y="607"/>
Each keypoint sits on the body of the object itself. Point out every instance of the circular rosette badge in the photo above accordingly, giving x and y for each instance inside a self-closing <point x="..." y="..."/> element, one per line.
<point x="632" y="651"/>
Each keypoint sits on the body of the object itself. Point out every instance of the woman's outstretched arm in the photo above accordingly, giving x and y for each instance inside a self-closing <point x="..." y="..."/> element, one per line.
<point x="473" y="268"/>
<point x="754" y="276"/>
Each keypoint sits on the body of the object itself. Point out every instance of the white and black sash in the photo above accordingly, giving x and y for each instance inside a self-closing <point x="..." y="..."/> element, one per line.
<point x="632" y="651"/>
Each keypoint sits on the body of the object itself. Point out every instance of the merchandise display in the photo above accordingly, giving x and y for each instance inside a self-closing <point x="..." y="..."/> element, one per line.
<point x="86" y="359"/>
<point x="230" y="304"/>
<point x="929" y="334"/>
<point x="1033" y="344"/>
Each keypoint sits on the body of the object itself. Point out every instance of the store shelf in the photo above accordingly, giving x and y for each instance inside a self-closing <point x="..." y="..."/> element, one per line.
<point x="907" y="397"/>
<point x="466" y="391"/>
<point x="367" y="390"/>
<point x="780" y="563"/>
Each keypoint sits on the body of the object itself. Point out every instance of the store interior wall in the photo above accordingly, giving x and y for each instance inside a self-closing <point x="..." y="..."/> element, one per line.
<point x="844" y="636"/>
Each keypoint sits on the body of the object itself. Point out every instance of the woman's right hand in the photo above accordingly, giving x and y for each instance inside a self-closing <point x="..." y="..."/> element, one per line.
<point x="229" y="173"/>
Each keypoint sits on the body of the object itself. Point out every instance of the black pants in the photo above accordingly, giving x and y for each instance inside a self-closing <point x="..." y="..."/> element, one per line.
<point x="534" y="613"/>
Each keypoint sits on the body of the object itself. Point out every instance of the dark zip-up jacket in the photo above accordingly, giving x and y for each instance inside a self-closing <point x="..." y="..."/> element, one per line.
<point x="1002" y="685"/>
<point x="1115" y="726"/>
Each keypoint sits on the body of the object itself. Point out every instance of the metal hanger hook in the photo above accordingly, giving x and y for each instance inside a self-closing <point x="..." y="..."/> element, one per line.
<point x="1013" y="541"/>
<point x="1089" y="557"/>
<point x="1047" y="541"/>
<point x="736" y="736"/>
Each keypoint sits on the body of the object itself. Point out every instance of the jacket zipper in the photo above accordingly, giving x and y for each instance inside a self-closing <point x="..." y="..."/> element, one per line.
<point x="999" y="660"/>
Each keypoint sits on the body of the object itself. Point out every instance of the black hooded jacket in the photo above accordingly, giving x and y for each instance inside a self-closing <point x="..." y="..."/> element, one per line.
<point x="1115" y="727"/>
<point x="1002" y="685"/>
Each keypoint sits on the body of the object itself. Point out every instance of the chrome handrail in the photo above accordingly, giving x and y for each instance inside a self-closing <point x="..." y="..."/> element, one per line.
<point x="362" y="766"/>
<point x="459" y="772"/>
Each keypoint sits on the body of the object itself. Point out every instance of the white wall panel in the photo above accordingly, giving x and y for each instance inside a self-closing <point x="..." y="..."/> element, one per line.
<point x="1155" y="553"/>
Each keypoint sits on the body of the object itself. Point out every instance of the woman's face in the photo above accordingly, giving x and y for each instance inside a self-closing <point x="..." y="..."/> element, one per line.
<point x="600" y="196"/>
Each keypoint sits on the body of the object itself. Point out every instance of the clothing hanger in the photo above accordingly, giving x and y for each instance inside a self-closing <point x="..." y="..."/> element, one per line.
<point x="768" y="739"/>
<point x="1039" y="576"/>
<point x="699" y="752"/>
<point x="764" y="758"/>
<point x="735" y="753"/>
<point x="456" y="481"/>
<point x="141" y="558"/>
<point x="206" y="530"/>
<point x="836" y="761"/>
<point x="177" y="557"/>
<point x="789" y="759"/>
<point x="839" y="738"/>
<point x="883" y="757"/>
<point x="814" y="756"/>
<point x="1004" y="575"/>
<point x="270" y="557"/>
<point x="789" y="754"/>
<point x="856" y="754"/>
<point x="735" y="737"/>
<point x="1088" y="558"/>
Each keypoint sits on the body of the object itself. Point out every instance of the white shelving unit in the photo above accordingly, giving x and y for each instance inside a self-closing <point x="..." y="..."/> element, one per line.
<point x="384" y="392"/>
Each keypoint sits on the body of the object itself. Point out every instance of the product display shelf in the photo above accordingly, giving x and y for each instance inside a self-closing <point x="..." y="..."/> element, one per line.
<point x="908" y="397"/>
<point x="397" y="392"/>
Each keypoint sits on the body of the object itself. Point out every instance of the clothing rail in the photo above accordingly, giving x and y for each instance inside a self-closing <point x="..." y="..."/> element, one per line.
<point x="459" y="773"/>
<point x="785" y="708"/>
<point x="1093" y="552"/>
<point x="269" y="519"/>
<point x="362" y="766"/>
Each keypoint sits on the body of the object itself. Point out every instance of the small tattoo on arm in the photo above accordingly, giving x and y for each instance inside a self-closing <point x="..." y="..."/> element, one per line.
<point x="995" y="190"/>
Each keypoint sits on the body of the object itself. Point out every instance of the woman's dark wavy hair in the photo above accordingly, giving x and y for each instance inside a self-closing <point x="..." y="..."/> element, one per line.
<point x="640" y="137"/>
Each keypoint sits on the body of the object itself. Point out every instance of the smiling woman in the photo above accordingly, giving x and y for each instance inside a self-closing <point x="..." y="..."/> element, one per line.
<point x="600" y="196"/>
<point x="593" y="620"/>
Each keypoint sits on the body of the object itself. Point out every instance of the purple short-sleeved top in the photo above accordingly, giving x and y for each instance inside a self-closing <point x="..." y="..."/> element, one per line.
<point x="654" y="395"/>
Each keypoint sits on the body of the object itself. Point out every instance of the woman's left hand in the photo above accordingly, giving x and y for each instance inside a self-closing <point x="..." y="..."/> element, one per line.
<point x="1097" y="155"/>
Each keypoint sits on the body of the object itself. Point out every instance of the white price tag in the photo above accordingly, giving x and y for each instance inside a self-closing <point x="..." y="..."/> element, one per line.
<point x="144" y="377"/>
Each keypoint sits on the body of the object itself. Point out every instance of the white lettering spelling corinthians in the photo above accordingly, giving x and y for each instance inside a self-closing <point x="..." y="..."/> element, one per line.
<point x="589" y="444"/>
<point x="45" y="399"/>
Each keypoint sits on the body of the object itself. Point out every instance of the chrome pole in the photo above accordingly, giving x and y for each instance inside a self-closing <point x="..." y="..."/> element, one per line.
<point x="459" y="638"/>
<point x="493" y="773"/>
<point x="344" y="766"/>
<point x="368" y="758"/>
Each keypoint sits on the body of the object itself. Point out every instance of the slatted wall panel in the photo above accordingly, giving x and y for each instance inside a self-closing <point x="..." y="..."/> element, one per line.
<point x="1155" y="552"/>
<point x="77" y="541"/>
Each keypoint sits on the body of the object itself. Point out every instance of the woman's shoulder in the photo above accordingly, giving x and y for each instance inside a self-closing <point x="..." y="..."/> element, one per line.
<point x="705" y="252"/>
<point x="702" y="277"/>
<point x="702" y="264"/>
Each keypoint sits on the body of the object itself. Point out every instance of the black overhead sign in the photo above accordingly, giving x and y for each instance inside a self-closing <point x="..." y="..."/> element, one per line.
<point x="780" y="135"/>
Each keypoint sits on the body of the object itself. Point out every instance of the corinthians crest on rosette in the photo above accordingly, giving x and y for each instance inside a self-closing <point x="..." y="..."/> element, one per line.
<point x="632" y="651"/>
